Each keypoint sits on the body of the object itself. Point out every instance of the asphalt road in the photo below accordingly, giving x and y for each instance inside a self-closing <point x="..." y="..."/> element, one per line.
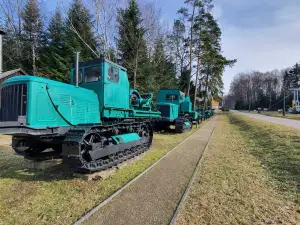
<point x="153" y="198"/>
<point x="276" y="120"/>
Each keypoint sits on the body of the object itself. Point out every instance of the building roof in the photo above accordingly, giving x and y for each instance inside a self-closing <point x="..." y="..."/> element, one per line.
<point x="10" y="72"/>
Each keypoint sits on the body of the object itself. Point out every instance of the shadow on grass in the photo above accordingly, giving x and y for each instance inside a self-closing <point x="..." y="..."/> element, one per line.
<point x="12" y="167"/>
<point x="278" y="151"/>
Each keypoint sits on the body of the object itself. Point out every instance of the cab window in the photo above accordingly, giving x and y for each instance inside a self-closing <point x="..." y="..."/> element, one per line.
<point x="113" y="74"/>
<point x="92" y="74"/>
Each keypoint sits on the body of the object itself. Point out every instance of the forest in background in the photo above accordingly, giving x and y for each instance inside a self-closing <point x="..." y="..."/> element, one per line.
<point x="187" y="55"/>
<point x="255" y="89"/>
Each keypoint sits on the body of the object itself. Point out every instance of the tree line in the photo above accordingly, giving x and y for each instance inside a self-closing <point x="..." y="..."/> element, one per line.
<point x="255" y="89"/>
<point x="187" y="56"/>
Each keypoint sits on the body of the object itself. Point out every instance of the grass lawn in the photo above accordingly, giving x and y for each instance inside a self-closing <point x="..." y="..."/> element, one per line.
<point x="276" y="114"/>
<point x="53" y="196"/>
<point x="249" y="175"/>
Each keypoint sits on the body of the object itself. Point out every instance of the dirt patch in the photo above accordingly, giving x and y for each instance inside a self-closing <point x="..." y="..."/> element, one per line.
<point x="5" y="140"/>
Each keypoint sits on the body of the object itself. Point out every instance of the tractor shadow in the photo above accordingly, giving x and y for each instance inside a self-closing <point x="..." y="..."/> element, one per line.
<point x="13" y="166"/>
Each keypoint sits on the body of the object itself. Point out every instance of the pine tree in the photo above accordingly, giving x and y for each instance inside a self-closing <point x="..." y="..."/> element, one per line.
<point x="183" y="80"/>
<point x="213" y="63"/>
<point x="53" y="63"/>
<point x="79" y="33"/>
<point x="189" y="15"/>
<point x="131" y="44"/>
<point x="202" y="11"/>
<point x="32" y="35"/>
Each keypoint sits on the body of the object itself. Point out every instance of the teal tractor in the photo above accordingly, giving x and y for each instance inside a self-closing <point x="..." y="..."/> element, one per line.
<point x="205" y="114"/>
<point x="176" y="110"/>
<point x="209" y="113"/>
<point x="201" y="114"/>
<point x="93" y="123"/>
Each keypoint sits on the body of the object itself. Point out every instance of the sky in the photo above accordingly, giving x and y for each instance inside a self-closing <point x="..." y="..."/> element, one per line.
<point x="261" y="34"/>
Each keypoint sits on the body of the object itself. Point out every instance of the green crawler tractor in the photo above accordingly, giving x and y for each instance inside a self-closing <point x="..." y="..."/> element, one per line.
<point x="93" y="123"/>
<point x="176" y="110"/>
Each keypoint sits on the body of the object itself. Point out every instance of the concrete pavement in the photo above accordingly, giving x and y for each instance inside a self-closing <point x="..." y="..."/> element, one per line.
<point x="276" y="120"/>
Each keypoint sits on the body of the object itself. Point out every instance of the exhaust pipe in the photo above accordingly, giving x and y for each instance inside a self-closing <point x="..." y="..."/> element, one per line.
<point x="1" y="48"/>
<point x="77" y="68"/>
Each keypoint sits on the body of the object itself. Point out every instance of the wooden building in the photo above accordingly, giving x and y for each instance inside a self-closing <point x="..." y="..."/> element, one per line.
<point x="11" y="73"/>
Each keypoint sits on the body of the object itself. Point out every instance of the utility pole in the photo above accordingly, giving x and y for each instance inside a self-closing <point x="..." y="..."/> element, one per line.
<point x="285" y="85"/>
<point x="283" y="109"/>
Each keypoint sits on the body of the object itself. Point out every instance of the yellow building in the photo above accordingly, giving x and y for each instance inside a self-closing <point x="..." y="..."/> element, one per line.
<point x="216" y="105"/>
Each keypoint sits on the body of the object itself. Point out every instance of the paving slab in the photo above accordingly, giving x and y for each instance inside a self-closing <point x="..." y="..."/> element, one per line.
<point x="281" y="121"/>
<point x="153" y="198"/>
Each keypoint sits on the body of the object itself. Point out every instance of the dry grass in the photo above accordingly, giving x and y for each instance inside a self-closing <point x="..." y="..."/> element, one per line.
<point x="277" y="114"/>
<point x="235" y="184"/>
<point x="55" y="197"/>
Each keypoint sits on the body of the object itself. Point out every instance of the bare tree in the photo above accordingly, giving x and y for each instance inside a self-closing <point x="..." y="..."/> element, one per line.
<point x="11" y="11"/>
<point x="151" y="22"/>
<point x="177" y="46"/>
<point x="105" y="13"/>
<point x="256" y="89"/>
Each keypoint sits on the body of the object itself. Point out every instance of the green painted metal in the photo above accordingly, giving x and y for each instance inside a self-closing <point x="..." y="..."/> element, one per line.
<point x="113" y="90"/>
<point x="170" y="110"/>
<point x="172" y="96"/>
<point x="125" y="138"/>
<point x="186" y="105"/>
<point x="141" y="106"/>
<point x="103" y="93"/>
<point x="194" y="115"/>
<point x="175" y="97"/>
<point x="55" y="104"/>
<point x="187" y="123"/>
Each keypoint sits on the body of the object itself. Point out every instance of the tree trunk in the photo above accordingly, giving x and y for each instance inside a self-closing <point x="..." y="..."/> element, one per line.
<point x="206" y="92"/>
<point x="135" y="70"/>
<point x="191" y="48"/>
<point x="196" y="83"/>
<point x="33" y="60"/>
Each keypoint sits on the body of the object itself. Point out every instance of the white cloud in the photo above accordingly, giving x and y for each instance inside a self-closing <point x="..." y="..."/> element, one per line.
<point x="275" y="45"/>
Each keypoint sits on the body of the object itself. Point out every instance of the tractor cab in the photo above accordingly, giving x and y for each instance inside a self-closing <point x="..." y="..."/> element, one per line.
<point x="109" y="81"/>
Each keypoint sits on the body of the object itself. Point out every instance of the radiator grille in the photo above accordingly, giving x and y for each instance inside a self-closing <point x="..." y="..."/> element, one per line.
<point x="164" y="110"/>
<point x="13" y="102"/>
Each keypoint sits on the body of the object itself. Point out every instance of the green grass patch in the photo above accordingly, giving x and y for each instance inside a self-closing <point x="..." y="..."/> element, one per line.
<point x="53" y="196"/>
<point x="278" y="149"/>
